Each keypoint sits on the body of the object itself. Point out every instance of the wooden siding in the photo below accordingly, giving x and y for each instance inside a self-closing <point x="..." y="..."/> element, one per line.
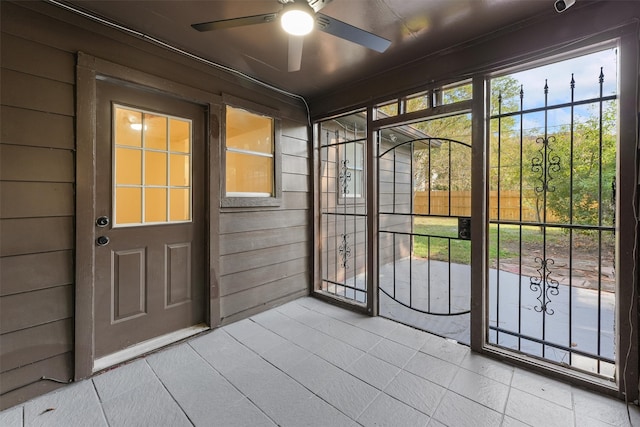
<point x="265" y="252"/>
<point x="36" y="216"/>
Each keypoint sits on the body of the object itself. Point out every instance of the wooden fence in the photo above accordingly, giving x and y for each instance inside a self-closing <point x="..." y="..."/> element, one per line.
<point x="460" y="204"/>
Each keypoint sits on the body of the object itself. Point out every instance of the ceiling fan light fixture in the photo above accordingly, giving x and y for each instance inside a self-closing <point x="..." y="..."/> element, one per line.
<point x="297" y="19"/>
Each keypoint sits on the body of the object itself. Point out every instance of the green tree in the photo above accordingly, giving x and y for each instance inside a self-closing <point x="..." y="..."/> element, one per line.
<point x="587" y="170"/>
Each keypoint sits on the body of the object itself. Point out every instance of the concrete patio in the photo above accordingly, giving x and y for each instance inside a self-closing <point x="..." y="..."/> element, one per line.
<point x="576" y="309"/>
<point x="308" y="363"/>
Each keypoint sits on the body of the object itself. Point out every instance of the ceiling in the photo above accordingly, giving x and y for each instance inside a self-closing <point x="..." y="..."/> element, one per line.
<point x="416" y="28"/>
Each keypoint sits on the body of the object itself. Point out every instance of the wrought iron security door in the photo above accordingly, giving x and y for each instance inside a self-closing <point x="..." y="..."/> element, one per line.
<point x="552" y="214"/>
<point x="424" y="209"/>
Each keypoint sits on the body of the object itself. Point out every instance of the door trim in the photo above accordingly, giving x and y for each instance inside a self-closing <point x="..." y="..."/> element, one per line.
<point x="89" y="69"/>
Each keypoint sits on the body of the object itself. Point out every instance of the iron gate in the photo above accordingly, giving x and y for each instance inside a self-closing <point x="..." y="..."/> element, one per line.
<point x="424" y="208"/>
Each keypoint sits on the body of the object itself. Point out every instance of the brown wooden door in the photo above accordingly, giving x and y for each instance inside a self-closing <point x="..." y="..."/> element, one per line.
<point x="149" y="258"/>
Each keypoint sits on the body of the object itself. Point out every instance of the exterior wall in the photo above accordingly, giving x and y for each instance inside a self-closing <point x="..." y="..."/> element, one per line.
<point x="394" y="196"/>
<point x="264" y="252"/>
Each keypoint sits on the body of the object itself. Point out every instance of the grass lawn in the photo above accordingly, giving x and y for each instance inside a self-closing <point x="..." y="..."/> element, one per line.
<point x="438" y="248"/>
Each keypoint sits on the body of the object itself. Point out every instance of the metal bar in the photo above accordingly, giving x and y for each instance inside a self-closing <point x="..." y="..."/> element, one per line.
<point x="429" y="272"/>
<point x="344" y="209"/>
<point x="600" y="130"/>
<point x="341" y="284"/>
<point x="335" y="218"/>
<point x="498" y="216"/>
<point x="555" y="107"/>
<point x="424" y="311"/>
<point x="520" y="220"/>
<point x="449" y="180"/>
<point x="555" y="225"/>
<point x="394" y="266"/>
<point x="405" y="233"/>
<point x="449" y="271"/>
<point x="571" y="154"/>
<point x="411" y="237"/>
<point x="543" y="282"/>
<point x="429" y="180"/>
<point x="394" y="181"/>
<point x="550" y="344"/>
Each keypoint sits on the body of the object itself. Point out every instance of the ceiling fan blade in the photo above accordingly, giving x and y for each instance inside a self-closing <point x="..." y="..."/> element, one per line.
<point x="295" y="53"/>
<point x="317" y="5"/>
<point x="235" y="22"/>
<point x="353" y="34"/>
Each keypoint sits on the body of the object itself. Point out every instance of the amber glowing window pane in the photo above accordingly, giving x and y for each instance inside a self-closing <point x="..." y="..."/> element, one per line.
<point x="180" y="206"/>
<point x="128" y="205"/>
<point x="180" y="170"/>
<point x="155" y="168"/>
<point x="249" y="174"/>
<point x="152" y="156"/>
<point x="248" y="131"/>
<point x="155" y="132"/>
<point x="128" y="127"/>
<point x="128" y="166"/>
<point x="155" y="205"/>
<point x="180" y="136"/>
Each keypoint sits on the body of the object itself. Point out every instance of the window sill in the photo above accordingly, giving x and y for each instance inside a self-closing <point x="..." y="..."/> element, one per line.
<point x="247" y="202"/>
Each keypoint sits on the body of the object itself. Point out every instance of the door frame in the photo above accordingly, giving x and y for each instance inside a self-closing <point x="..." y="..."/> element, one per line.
<point x="626" y="313"/>
<point x="89" y="69"/>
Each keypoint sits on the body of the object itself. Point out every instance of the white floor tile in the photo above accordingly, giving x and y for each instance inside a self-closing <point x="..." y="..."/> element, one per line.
<point x="536" y="411"/>
<point x="416" y="392"/>
<point x="456" y="410"/>
<point x="148" y="406"/>
<point x="118" y="381"/>
<point x="12" y="417"/>
<point x="74" y="405"/>
<point x="373" y="371"/>
<point x="543" y="387"/>
<point x="392" y="352"/>
<point x="386" y="411"/>
<point x="349" y="394"/>
<point x="431" y="368"/>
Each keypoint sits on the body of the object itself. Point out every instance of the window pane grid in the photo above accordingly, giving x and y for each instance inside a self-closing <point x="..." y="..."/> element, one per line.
<point x="250" y="154"/>
<point x="161" y="167"/>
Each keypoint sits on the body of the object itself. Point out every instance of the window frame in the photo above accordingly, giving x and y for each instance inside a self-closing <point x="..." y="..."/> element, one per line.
<point x="275" y="200"/>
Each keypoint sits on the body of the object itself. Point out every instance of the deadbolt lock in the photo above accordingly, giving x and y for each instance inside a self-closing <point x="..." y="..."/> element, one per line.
<point x="102" y="221"/>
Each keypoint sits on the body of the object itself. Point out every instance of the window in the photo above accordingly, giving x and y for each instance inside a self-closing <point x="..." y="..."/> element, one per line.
<point x="152" y="168"/>
<point x="351" y="171"/>
<point x="250" y="158"/>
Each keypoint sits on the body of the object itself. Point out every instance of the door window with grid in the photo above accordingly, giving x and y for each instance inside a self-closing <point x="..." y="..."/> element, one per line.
<point x="151" y="168"/>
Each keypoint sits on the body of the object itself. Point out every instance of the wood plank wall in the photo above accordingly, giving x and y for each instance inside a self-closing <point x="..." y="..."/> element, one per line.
<point x="265" y="252"/>
<point x="36" y="216"/>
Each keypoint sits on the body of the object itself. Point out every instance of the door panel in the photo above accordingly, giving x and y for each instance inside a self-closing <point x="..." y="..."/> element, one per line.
<point x="150" y="263"/>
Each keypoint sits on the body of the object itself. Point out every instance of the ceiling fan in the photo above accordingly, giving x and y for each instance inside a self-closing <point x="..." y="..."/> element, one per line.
<point x="297" y="18"/>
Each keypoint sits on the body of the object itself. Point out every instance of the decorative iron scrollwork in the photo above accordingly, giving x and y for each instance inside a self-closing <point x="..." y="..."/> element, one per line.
<point x="545" y="286"/>
<point x="545" y="164"/>
<point x="345" y="177"/>
<point x="345" y="251"/>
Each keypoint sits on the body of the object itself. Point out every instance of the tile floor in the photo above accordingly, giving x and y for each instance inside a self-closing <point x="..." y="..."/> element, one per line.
<point x="308" y="363"/>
